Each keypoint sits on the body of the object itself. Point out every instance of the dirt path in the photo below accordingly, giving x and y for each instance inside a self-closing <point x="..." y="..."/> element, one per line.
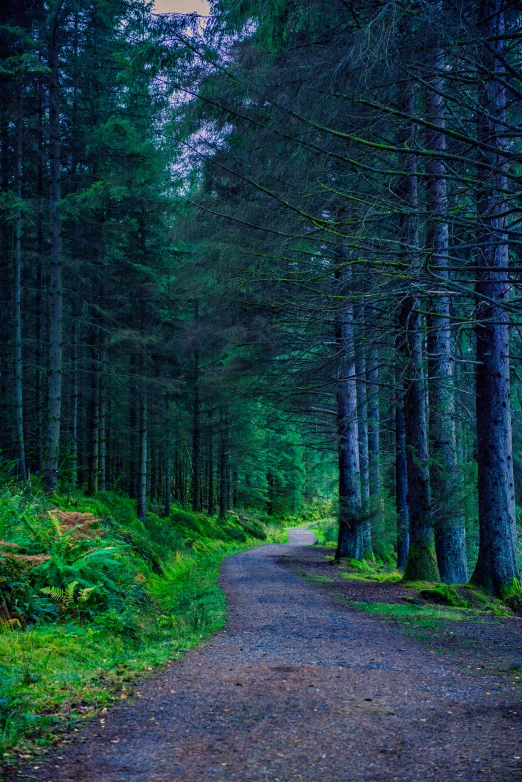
<point x="297" y="688"/>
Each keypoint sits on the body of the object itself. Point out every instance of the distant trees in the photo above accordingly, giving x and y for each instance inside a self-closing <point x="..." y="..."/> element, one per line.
<point x="97" y="281"/>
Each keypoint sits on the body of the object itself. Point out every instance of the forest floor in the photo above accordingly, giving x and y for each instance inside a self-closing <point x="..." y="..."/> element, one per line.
<point x="312" y="681"/>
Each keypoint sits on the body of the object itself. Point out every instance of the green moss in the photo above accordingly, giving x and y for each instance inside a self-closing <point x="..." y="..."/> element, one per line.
<point x="420" y="615"/>
<point x="513" y="590"/>
<point x="444" y="595"/>
<point x="323" y="579"/>
<point x="421" y="565"/>
<point x="389" y="578"/>
<point x="459" y="596"/>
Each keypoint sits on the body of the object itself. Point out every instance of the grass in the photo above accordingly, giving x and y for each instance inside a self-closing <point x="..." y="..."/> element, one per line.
<point x="419" y="615"/>
<point x="57" y="670"/>
<point x="389" y="578"/>
<point x="55" y="675"/>
<point x="315" y="579"/>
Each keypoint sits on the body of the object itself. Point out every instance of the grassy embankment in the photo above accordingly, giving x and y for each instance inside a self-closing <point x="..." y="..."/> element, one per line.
<point x="91" y="599"/>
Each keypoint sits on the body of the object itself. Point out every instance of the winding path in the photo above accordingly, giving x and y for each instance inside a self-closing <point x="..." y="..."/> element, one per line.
<point x="298" y="688"/>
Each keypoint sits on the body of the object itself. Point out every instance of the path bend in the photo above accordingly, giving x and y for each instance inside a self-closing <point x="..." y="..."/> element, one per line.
<point x="298" y="688"/>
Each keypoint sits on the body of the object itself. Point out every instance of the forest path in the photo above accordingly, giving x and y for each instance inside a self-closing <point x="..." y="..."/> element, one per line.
<point x="298" y="688"/>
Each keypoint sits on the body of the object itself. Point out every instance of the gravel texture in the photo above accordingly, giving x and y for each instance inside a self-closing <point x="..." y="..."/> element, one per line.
<point x="487" y="644"/>
<point x="299" y="688"/>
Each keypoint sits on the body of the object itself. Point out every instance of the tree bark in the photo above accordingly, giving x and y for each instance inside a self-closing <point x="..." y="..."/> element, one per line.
<point x="374" y="443"/>
<point x="54" y="409"/>
<point x="421" y="563"/>
<point x="362" y="419"/>
<point x="496" y="568"/>
<point x="18" y="401"/>
<point x="74" y="403"/>
<point x="143" y="453"/>
<point x="401" y="486"/>
<point x="350" y="537"/>
<point x="168" y="456"/>
<point x="102" y="458"/>
<point x="448" y="519"/>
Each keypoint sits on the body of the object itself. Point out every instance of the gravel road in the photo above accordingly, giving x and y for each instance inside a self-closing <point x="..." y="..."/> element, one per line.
<point x="299" y="688"/>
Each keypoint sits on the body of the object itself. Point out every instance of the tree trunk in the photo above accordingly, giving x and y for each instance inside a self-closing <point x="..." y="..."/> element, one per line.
<point x="496" y="568"/>
<point x="223" y="469"/>
<point x="102" y="459"/>
<point x="448" y="519"/>
<point x="210" y="470"/>
<point x="177" y="479"/>
<point x="133" y="424"/>
<point x="94" y="420"/>
<point x="362" y="419"/>
<point x="5" y="326"/>
<point x="350" y="538"/>
<point x="153" y="473"/>
<point x="421" y="564"/>
<point x="17" y="299"/>
<point x="234" y="483"/>
<point x="54" y="409"/>
<point x="374" y="444"/>
<point x="39" y="309"/>
<point x="196" y="440"/>
<point x="168" y="456"/>
<point x="74" y="403"/>
<point x="401" y="486"/>
<point x="143" y="452"/>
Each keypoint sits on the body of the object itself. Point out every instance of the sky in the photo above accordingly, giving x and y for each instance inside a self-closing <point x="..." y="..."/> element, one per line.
<point x="181" y="6"/>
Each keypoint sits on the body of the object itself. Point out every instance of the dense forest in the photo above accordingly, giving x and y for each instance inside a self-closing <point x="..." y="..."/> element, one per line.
<point x="270" y="257"/>
<point x="260" y="283"/>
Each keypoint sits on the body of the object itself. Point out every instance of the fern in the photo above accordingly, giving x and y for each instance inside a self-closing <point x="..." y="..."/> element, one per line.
<point x="84" y="594"/>
<point x="66" y="597"/>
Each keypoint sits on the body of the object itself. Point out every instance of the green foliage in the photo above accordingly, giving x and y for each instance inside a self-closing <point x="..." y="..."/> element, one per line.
<point x="48" y="549"/>
<point x="326" y="530"/>
<point x="67" y="597"/>
<point x="90" y="597"/>
<point x="54" y="675"/>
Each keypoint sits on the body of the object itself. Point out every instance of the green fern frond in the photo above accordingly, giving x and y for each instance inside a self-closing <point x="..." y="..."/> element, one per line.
<point x="84" y="594"/>
<point x="69" y="592"/>
<point x="55" y="593"/>
<point x="63" y="596"/>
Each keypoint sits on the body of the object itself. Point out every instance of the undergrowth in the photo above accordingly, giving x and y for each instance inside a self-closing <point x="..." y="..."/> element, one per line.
<point x="91" y="598"/>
